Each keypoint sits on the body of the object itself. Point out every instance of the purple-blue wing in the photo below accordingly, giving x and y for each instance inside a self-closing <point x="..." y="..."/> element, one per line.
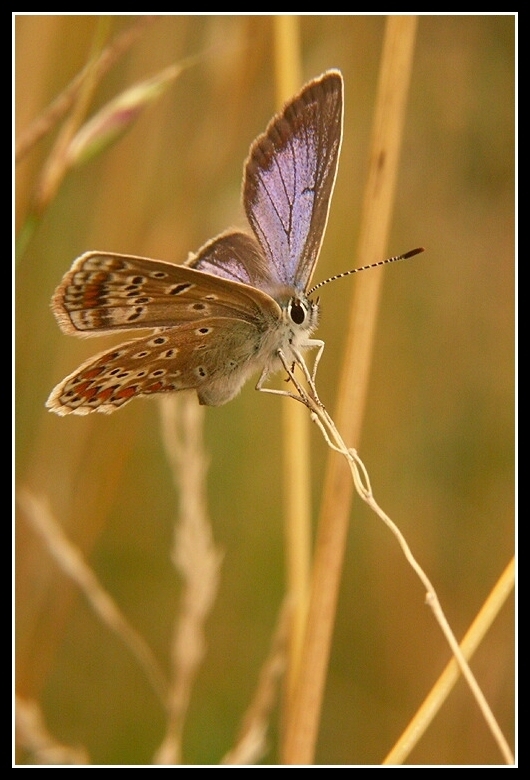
<point x="233" y="255"/>
<point x="289" y="179"/>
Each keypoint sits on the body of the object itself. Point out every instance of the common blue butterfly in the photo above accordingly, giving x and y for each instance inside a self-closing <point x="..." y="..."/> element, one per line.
<point x="233" y="308"/>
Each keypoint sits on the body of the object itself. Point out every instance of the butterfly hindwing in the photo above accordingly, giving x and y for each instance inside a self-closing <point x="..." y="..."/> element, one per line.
<point x="213" y="357"/>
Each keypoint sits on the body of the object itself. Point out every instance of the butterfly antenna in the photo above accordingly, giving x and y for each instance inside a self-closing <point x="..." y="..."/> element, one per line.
<point x="366" y="267"/>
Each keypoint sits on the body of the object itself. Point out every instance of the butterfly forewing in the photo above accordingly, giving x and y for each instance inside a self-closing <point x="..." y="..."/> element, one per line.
<point x="107" y="292"/>
<point x="289" y="179"/>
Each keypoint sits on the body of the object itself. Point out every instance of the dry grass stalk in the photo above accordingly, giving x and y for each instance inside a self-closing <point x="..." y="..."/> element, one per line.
<point x="361" y="481"/>
<point x="445" y="683"/>
<point x="33" y="736"/>
<point x="300" y="739"/>
<point x="195" y="557"/>
<point x="71" y="561"/>
<point x="51" y="115"/>
<point x="295" y="424"/>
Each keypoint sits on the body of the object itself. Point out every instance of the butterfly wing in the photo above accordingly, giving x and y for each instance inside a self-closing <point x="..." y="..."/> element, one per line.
<point x="213" y="356"/>
<point x="289" y="179"/>
<point x="209" y="330"/>
<point x="233" y="255"/>
<point x="105" y="292"/>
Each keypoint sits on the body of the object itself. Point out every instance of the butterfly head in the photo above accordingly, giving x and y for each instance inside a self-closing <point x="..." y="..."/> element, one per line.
<point x="303" y="312"/>
<point x="299" y="314"/>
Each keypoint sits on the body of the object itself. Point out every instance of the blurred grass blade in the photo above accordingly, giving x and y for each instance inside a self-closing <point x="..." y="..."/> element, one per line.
<point x="51" y="115"/>
<point x="114" y="119"/>
<point x="302" y="729"/>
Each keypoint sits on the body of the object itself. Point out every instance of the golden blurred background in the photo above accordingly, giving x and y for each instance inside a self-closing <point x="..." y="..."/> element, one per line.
<point x="438" y="439"/>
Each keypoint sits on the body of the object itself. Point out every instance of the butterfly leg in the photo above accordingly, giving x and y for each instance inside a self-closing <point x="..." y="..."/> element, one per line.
<point x="302" y="396"/>
<point x="309" y="377"/>
<point x="320" y="347"/>
<point x="308" y="399"/>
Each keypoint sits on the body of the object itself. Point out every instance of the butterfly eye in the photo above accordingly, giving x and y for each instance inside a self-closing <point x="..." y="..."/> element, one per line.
<point x="297" y="312"/>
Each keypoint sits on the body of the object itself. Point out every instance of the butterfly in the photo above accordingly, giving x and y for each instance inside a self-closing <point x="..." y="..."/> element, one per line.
<point x="237" y="307"/>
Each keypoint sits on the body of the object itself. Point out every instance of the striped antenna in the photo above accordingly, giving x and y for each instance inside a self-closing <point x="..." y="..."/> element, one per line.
<point x="366" y="267"/>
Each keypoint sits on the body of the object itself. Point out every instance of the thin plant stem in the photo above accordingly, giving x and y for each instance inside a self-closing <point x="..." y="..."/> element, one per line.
<point x="361" y="481"/>
<point x="445" y="683"/>
<point x="71" y="561"/>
